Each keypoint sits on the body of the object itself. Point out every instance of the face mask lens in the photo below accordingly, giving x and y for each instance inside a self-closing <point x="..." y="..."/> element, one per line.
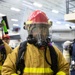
<point x="40" y="33"/>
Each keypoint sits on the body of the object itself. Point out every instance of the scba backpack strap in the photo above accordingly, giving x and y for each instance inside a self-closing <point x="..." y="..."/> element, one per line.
<point x="2" y="52"/>
<point x="20" y="60"/>
<point x="53" y="55"/>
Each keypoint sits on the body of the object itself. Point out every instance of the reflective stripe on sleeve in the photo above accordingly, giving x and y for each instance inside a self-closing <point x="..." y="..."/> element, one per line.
<point x="61" y="73"/>
<point x="37" y="70"/>
<point x="14" y="74"/>
<point x="0" y="67"/>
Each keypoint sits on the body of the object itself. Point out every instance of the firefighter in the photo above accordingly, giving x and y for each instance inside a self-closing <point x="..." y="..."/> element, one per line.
<point x="37" y="58"/>
<point x="5" y="49"/>
<point x="72" y="70"/>
<point x="6" y="38"/>
<point x="66" y="50"/>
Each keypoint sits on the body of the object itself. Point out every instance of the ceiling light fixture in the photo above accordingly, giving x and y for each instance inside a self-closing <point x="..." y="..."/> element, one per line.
<point x="2" y="14"/>
<point x="15" y="25"/>
<point x="37" y="4"/>
<point x="67" y="24"/>
<point x="55" y="11"/>
<point x="15" y="9"/>
<point x="14" y="20"/>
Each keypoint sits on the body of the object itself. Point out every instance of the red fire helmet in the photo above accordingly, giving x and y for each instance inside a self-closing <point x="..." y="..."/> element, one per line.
<point x="37" y="17"/>
<point x="5" y="36"/>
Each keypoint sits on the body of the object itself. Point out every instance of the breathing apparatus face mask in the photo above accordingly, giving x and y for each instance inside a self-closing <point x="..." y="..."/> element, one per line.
<point x="40" y="32"/>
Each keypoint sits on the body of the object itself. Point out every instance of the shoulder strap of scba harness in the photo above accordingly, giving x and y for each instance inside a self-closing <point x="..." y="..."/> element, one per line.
<point x="20" y="60"/>
<point x="2" y="52"/>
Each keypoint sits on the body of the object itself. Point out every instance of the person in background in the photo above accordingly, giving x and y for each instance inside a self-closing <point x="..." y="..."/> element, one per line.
<point x="66" y="51"/>
<point x="38" y="51"/>
<point x="5" y="49"/>
<point x="72" y="71"/>
<point x="6" y="38"/>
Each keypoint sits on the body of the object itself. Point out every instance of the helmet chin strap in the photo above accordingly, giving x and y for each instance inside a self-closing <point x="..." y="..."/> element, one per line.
<point x="32" y="40"/>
